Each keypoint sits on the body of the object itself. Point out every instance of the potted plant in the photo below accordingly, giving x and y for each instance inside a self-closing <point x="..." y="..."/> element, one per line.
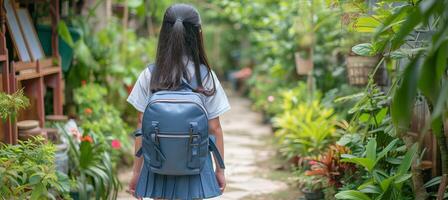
<point x="304" y="61"/>
<point x="312" y="186"/>
<point x="91" y="168"/>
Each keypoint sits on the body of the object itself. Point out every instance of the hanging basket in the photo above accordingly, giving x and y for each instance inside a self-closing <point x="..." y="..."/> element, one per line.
<point x="359" y="68"/>
<point x="303" y="66"/>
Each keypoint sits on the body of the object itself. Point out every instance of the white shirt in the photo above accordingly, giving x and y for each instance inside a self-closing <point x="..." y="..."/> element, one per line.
<point x="215" y="105"/>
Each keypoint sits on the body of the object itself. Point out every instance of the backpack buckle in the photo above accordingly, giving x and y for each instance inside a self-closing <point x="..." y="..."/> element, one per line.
<point x="193" y="132"/>
<point x="155" y="126"/>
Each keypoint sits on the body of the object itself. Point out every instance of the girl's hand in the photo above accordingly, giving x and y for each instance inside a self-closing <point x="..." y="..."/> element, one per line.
<point x="133" y="183"/>
<point x="221" y="178"/>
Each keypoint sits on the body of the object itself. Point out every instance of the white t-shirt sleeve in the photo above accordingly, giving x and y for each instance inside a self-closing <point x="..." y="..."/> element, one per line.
<point x="141" y="91"/>
<point x="217" y="104"/>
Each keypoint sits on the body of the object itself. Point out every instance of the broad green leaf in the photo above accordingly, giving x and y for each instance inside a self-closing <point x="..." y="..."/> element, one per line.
<point x="413" y="19"/>
<point x="366" y="24"/>
<point x="386" y="183"/>
<point x="440" y="105"/>
<point x="369" y="187"/>
<point x="352" y="194"/>
<point x="371" y="149"/>
<point x="392" y="21"/>
<point x="386" y="149"/>
<point x="381" y="115"/>
<point x="434" y="181"/>
<point x="364" y="117"/>
<point x="404" y="97"/>
<point x="65" y="33"/>
<point x="429" y="82"/>
<point x="402" y="178"/>
<point x="365" y="162"/>
<point x="407" y="160"/>
<point x="364" y="49"/>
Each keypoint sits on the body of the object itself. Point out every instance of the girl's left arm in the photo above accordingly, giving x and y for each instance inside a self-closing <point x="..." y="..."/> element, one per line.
<point x="216" y="130"/>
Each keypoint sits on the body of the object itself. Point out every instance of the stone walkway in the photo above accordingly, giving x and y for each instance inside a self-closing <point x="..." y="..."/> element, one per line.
<point x="245" y="150"/>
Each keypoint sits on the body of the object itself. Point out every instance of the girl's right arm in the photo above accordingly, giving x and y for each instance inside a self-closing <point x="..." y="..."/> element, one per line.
<point x="138" y="161"/>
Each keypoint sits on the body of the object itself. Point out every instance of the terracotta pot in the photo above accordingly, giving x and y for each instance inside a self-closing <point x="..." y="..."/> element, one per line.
<point x="303" y="66"/>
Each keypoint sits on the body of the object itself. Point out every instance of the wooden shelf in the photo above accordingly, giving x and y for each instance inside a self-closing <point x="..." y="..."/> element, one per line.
<point x="25" y="75"/>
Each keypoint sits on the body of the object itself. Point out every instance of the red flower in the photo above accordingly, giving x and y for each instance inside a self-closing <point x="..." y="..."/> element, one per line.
<point x="88" y="111"/>
<point x="116" y="144"/>
<point x="87" y="138"/>
<point x="83" y="82"/>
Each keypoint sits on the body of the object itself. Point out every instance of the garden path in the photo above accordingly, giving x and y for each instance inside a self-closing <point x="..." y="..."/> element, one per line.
<point x="246" y="153"/>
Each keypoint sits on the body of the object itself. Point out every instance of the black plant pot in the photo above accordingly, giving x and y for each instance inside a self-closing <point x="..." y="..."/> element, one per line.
<point x="313" y="195"/>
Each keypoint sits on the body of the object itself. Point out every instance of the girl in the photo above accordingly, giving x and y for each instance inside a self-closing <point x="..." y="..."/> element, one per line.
<point x="180" y="54"/>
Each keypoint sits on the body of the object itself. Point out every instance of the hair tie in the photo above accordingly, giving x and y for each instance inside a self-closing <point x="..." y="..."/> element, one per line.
<point x="179" y="20"/>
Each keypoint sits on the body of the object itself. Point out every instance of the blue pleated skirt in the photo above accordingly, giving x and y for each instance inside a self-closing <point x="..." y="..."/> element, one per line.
<point x="200" y="186"/>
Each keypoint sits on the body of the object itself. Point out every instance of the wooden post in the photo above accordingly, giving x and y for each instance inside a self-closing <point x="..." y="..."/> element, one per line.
<point x="54" y="8"/>
<point x="4" y="64"/>
<point x="55" y="80"/>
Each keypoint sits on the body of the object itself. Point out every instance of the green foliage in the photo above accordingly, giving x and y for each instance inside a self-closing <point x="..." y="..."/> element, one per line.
<point x="380" y="183"/>
<point x="100" y="117"/>
<point x="311" y="183"/>
<point x="275" y="36"/>
<point x="91" y="165"/>
<point x="305" y="127"/>
<point x="112" y="57"/>
<point x="27" y="171"/>
<point x="10" y="104"/>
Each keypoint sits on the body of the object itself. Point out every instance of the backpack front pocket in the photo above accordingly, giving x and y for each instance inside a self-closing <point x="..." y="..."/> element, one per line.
<point x="176" y="153"/>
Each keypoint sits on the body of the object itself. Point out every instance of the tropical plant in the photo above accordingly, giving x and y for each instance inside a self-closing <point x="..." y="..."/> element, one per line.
<point x="27" y="171"/>
<point x="90" y="165"/>
<point x="380" y="183"/>
<point x="10" y="104"/>
<point x="305" y="129"/>
<point x="330" y="166"/>
<point x="100" y="117"/>
<point x="414" y="33"/>
<point x="311" y="183"/>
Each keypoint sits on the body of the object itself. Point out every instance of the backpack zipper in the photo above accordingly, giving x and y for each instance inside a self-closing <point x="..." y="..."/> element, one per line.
<point x="172" y="136"/>
<point x="179" y="101"/>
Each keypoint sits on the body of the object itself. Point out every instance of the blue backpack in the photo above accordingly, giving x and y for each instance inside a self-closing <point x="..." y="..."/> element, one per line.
<point x="175" y="139"/>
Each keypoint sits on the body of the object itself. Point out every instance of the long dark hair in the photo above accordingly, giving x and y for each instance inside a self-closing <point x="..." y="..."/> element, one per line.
<point x="180" y="37"/>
